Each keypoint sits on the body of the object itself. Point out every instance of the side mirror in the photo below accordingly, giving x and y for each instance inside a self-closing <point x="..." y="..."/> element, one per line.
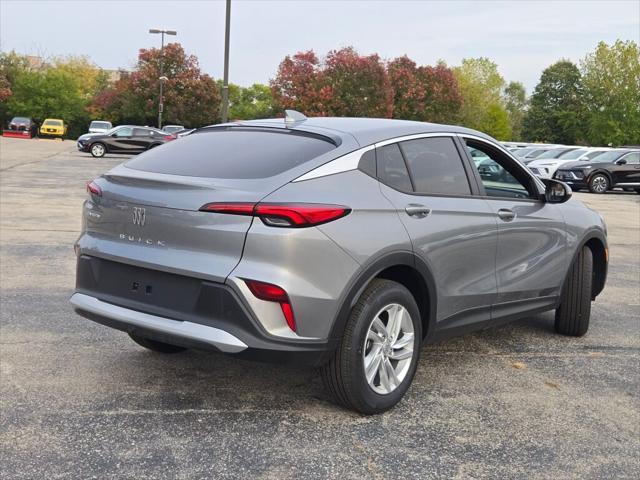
<point x="622" y="161"/>
<point x="556" y="191"/>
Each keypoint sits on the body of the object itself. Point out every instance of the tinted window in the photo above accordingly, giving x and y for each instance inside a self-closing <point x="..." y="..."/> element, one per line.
<point x="233" y="153"/>
<point x="436" y="166"/>
<point x="123" y="132"/>
<point x="607" y="157"/>
<point x="141" y="132"/>
<point x="392" y="170"/>
<point x="632" y="158"/>
<point x="499" y="174"/>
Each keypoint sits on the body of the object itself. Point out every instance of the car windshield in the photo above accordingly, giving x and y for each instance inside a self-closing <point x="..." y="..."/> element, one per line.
<point x="555" y="153"/>
<point x="56" y="123"/>
<point x="521" y="152"/>
<point x="173" y="128"/>
<point x="608" y="157"/>
<point x="573" y="154"/>
<point x="20" y="120"/>
<point x="105" y="125"/>
<point x="592" y="155"/>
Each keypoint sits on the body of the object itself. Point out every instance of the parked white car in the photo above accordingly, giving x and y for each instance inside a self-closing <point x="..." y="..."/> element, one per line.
<point x="99" y="126"/>
<point x="545" y="168"/>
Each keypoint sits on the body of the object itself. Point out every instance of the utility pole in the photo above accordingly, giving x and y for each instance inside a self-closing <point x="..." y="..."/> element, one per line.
<point x="162" y="78"/>
<point x="225" y="82"/>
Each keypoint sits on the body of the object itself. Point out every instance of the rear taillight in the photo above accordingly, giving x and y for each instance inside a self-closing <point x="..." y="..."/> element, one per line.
<point x="94" y="189"/>
<point x="169" y="137"/>
<point x="273" y="293"/>
<point x="282" y="214"/>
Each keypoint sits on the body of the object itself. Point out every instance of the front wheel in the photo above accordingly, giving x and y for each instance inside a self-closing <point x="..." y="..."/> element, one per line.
<point x="156" y="346"/>
<point x="599" y="183"/>
<point x="374" y="364"/>
<point x="574" y="311"/>
<point x="98" y="150"/>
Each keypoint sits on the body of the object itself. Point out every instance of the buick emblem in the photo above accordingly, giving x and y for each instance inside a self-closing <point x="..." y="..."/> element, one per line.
<point x="139" y="216"/>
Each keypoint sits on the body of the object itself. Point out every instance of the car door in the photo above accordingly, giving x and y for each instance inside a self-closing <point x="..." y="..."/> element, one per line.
<point x="452" y="230"/>
<point x="141" y="139"/>
<point x="531" y="258"/>
<point x="119" y="140"/>
<point x="627" y="170"/>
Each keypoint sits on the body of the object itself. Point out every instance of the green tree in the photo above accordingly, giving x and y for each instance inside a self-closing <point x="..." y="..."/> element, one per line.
<point x="247" y="103"/>
<point x="556" y="106"/>
<point x="611" y="81"/>
<point x="481" y="86"/>
<point x="515" y="101"/>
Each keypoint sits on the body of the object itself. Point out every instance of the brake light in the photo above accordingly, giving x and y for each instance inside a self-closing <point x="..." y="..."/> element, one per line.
<point x="94" y="189"/>
<point x="169" y="137"/>
<point x="273" y="293"/>
<point x="282" y="214"/>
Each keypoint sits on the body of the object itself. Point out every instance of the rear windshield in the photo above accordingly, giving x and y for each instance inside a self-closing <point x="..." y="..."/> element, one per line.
<point x="235" y="153"/>
<point x="21" y="120"/>
<point x="57" y="123"/>
<point x="104" y="125"/>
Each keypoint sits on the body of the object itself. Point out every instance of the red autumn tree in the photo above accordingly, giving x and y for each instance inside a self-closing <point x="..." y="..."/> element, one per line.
<point x="428" y="94"/>
<point x="191" y="97"/>
<point x="346" y="84"/>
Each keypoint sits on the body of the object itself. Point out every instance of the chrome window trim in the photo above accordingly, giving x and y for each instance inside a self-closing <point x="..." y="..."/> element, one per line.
<point x="341" y="164"/>
<point x="414" y="137"/>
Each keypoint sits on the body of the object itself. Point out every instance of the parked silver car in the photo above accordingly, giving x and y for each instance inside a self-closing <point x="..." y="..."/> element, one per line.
<point x="345" y="243"/>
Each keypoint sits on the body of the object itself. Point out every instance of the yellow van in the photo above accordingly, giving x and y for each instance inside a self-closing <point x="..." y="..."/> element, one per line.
<point x="53" y="127"/>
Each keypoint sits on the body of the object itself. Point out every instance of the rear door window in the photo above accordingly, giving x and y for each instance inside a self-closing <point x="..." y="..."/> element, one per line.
<point x="234" y="153"/>
<point x="436" y="166"/>
<point x="392" y="170"/>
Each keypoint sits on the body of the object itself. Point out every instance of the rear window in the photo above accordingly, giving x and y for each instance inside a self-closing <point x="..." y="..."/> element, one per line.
<point x="235" y="153"/>
<point x="56" y="123"/>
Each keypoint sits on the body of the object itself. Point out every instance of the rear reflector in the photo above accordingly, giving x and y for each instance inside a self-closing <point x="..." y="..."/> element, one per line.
<point x="283" y="214"/>
<point x="94" y="189"/>
<point x="273" y="293"/>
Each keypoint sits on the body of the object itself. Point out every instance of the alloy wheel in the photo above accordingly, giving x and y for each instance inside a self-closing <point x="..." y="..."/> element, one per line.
<point x="388" y="348"/>
<point x="97" y="150"/>
<point x="599" y="184"/>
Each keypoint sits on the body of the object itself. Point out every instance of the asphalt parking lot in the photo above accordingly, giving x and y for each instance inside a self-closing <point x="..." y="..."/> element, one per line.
<point x="82" y="401"/>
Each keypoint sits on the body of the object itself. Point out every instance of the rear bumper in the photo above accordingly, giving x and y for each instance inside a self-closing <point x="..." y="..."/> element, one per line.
<point x="183" y="311"/>
<point x="95" y="309"/>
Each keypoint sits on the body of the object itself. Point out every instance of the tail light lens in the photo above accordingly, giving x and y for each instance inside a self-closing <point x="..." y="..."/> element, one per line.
<point x="170" y="137"/>
<point x="273" y="293"/>
<point x="94" y="189"/>
<point x="283" y="214"/>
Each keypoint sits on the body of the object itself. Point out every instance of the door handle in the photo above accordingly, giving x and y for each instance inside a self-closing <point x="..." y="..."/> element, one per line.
<point x="417" y="211"/>
<point x="506" y="214"/>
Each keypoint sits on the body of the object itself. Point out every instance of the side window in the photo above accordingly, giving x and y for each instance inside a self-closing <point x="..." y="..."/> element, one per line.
<point x="141" y="132"/>
<point x="632" y="158"/>
<point x="123" y="132"/>
<point x="499" y="174"/>
<point x="436" y="166"/>
<point x="392" y="170"/>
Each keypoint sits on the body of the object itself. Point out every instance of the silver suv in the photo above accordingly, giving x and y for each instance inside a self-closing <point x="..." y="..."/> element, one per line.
<point x="345" y="243"/>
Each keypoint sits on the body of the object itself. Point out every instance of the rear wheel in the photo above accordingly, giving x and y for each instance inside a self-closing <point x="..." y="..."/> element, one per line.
<point x="376" y="360"/>
<point x="599" y="183"/>
<point x="156" y="346"/>
<point x="572" y="316"/>
<point x="98" y="150"/>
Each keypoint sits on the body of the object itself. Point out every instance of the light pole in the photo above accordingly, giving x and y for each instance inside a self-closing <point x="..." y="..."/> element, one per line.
<point x="162" y="78"/>
<point x="225" y="81"/>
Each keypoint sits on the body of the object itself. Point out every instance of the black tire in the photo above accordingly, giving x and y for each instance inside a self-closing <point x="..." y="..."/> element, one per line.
<point x="156" y="346"/>
<point x="637" y="190"/>
<point x="96" y="151"/>
<point x="572" y="316"/>
<point x="344" y="375"/>
<point x="599" y="183"/>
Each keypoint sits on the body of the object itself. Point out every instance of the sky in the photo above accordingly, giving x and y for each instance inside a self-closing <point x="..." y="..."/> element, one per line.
<point x="523" y="37"/>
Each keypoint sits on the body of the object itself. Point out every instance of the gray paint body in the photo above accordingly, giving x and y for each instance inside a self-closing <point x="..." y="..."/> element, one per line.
<point x="479" y="262"/>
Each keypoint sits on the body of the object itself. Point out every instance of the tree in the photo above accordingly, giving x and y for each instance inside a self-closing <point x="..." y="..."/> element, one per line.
<point x="346" y="84"/>
<point x="481" y="87"/>
<point x="611" y="83"/>
<point x="556" y="106"/>
<point x="425" y="93"/>
<point x="359" y="85"/>
<point x="515" y="100"/>
<point x="300" y="85"/>
<point x="251" y="102"/>
<point x="191" y="97"/>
